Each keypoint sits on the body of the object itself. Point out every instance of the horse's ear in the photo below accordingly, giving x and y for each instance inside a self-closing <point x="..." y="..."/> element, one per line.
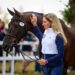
<point x="17" y="12"/>
<point x="11" y="12"/>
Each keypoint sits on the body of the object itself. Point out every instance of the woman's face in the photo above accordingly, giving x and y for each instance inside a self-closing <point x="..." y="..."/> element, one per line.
<point x="46" y="24"/>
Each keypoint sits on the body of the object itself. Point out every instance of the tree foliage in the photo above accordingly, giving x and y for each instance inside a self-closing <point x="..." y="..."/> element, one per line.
<point x="67" y="15"/>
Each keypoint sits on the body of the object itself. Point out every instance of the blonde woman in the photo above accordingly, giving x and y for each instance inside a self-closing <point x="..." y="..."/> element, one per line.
<point x="53" y="41"/>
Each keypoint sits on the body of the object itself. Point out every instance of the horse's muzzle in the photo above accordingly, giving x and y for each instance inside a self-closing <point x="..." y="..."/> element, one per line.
<point x="8" y="44"/>
<point x="5" y="47"/>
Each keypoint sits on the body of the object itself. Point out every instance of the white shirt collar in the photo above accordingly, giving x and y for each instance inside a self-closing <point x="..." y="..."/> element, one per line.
<point x="49" y="30"/>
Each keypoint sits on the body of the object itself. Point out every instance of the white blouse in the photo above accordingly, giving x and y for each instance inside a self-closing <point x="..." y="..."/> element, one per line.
<point x="48" y="42"/>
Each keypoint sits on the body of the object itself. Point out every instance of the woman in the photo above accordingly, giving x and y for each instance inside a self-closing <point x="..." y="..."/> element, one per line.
<point x="53" y="41"/>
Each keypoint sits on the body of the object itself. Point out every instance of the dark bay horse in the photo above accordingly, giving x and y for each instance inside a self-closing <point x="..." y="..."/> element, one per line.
<point x="20" y="24"/>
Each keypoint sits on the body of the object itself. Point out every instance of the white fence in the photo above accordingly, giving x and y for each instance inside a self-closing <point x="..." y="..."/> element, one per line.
<point x="12" y="58"/>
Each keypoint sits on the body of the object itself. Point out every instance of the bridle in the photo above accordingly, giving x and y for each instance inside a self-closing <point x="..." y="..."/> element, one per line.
<point x="13" y="36"/>
<point x="22" y="51"/>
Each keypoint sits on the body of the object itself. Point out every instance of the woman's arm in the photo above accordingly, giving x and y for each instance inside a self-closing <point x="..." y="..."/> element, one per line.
<point x="60" y="48"/>
<point x="39" y="34"/>
<point x="36" y="28"/>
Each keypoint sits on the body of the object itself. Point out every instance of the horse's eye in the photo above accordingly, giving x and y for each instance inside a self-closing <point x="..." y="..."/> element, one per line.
<point x="21" y="24"/>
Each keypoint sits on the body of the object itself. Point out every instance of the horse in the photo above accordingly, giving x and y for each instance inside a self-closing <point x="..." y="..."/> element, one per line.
<point x="19" y="25"/>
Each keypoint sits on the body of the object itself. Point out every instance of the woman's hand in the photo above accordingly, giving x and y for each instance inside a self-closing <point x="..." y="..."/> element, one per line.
<point x="42" y="62"/>
<point x="33" y="19"/>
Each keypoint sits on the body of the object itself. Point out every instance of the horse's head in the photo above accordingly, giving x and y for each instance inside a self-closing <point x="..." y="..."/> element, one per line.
<point x="16" y="30"/>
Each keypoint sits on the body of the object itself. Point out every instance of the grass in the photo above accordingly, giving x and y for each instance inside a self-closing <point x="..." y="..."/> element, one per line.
<point x="18" y="68"/>
<point x="30" y="68"/>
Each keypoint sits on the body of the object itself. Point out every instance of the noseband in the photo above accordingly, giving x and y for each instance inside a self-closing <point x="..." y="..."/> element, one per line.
<point x="11" y="35"/>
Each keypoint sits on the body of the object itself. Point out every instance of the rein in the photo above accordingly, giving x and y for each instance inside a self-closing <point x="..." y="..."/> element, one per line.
<point x="22" y="52"/>
<point x="35" y="60"/>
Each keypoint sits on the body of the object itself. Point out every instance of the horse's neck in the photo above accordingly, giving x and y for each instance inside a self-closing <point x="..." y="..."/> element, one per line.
<point x="39" y="22"/>
<point x="67" y="31"/>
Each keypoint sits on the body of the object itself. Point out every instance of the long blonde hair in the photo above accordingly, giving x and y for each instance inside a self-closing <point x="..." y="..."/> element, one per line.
<point x="56" y="25"/>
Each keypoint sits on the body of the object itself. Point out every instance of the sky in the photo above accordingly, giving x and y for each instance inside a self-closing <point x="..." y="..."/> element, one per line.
<point x="42" y="6"/>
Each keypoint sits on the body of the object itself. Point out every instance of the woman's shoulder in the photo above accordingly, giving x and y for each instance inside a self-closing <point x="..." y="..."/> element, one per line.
<point x="59" y="36"/>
